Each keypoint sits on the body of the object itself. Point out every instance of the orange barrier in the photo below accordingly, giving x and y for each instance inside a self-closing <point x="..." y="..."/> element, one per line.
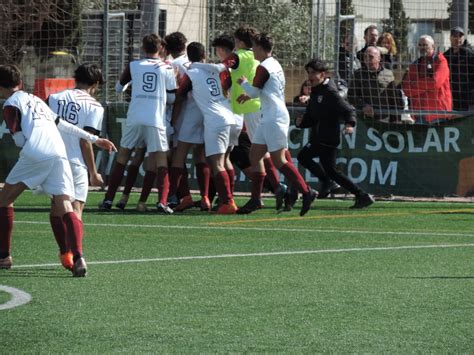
<point x="45" y="87"/>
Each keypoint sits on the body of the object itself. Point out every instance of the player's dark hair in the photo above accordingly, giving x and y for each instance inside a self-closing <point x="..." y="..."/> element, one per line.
<point x="317" y="65"/>
<point x="88" y="74"/>
<point x="175" y="42"/>
<point x="151" y="43"/>
<point x="195" y="51"/>
<point x="224" y="41"/>
<point x="264" y="41"/>
<point x="10" y="76"/>
<point x="245" y="34"/>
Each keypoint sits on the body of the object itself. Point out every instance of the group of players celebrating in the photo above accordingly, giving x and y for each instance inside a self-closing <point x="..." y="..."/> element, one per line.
<point x="215" y="108"/>
<point x="232" y="112"/>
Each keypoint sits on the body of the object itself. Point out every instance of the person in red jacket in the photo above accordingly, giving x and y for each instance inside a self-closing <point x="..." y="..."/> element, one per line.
<point x="426" y="83"/>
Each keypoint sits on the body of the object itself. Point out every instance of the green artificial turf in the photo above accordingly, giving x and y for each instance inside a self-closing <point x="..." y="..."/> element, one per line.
<point x="397" y="277"/>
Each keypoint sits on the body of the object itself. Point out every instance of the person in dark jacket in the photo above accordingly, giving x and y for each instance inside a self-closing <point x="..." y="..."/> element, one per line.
<point x="373" y="90"/>
<point x="325" y="111"/>
<point x="461" y="66"/>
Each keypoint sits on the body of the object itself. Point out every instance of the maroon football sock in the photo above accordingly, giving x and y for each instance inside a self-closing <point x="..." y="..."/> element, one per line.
<point x="231" y="174"/>
<point x="176" y="175"/>
<point x="163" y="184"/>
<point x="6" y="230"/>
<point x="132" y="173"/>
<point x="221" y="179"/>
<point x="74" y="233"/>
<point x="272" y="173"/>
<point x="212" y="189"/>
<point x="183" y="187"/>
<point x="294" y="177"/>
<point x="257" y="184"/>
<point x="148" y="181"/>
<point x="59" y="231"/>
<point x="114" y="181"/>
<point x="203" y="174"/>
<point x="288" y="157"/>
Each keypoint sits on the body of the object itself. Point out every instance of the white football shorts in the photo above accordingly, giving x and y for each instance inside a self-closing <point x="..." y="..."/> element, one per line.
<point x="191" y="129"/>
<point x="273" y="134"/>
<point x="252" y="121"/>
<point x="53" y="175"/>
<point x="81" y="182"/>
<point x="216" y="140"/>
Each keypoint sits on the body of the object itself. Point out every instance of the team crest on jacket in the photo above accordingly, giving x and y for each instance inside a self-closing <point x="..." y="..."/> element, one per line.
<point x="320" y="99"/>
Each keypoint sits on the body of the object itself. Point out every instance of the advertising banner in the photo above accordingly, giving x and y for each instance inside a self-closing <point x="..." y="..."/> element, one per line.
<point x="383" y="158"/>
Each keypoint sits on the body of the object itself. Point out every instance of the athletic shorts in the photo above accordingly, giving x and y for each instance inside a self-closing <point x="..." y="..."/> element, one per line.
<point x="81" y="182"/>
<point x="274" y="135"/>
<point x="53" y="176"/>
<point x="235" y="131"/>
<point x="191" y="129"/>
<point x="252" y="121"/>
<point x="216" y="140"/>
<point x="139" y="136"/>
<point x="132" y="137"/>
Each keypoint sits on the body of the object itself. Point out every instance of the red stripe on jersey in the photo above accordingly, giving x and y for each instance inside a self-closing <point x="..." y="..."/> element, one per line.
<point x="232" y="61"/>
<point x="185" y="86"/>
<point x="261" y="77"/>
<point x="226" y="80"/>
<point x="12" y="117"/>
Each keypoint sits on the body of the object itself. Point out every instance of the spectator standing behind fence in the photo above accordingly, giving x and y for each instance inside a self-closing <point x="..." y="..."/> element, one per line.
<point x="461" y="66"/>
<point x="426" y="83"/>
<point x="348" y="61"/>
<point x="373" y="88"/>
<point x="305" y="92"/>
<point x="371" y="35"/>
<point x="387" y="41"/>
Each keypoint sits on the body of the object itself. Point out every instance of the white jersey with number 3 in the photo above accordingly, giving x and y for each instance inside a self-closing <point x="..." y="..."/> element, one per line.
<point x="209" y="96"/>
<point x="151" y="79"/>
<point x="43" y="140"/>
<point x="80" y="109"/>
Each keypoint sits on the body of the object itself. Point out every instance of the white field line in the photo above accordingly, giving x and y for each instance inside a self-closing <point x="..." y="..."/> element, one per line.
<point x="18" y="297"/>
<point x="247" y="255"/>
<point x="301" y="230"/>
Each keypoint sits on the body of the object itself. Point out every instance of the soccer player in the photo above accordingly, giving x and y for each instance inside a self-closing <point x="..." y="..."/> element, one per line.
<point x="242" y="62"/>
<point x="42" y="163"/>
<point x="272" y="132"/>
<point x="218" y="118"/>
<point x="189" y="131"/>
<point x="78" y="107"/>
<point x="152" y="81"/>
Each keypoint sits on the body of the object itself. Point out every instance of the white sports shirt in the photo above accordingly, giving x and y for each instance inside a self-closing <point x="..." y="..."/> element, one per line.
<point x="80" y="109"/>
<point x="43" y="140"/>
<point x="190" y="107"/>
<point x="209" y="96"/>
<point x="151" y="79"/>
<point x="270" y="84"/>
